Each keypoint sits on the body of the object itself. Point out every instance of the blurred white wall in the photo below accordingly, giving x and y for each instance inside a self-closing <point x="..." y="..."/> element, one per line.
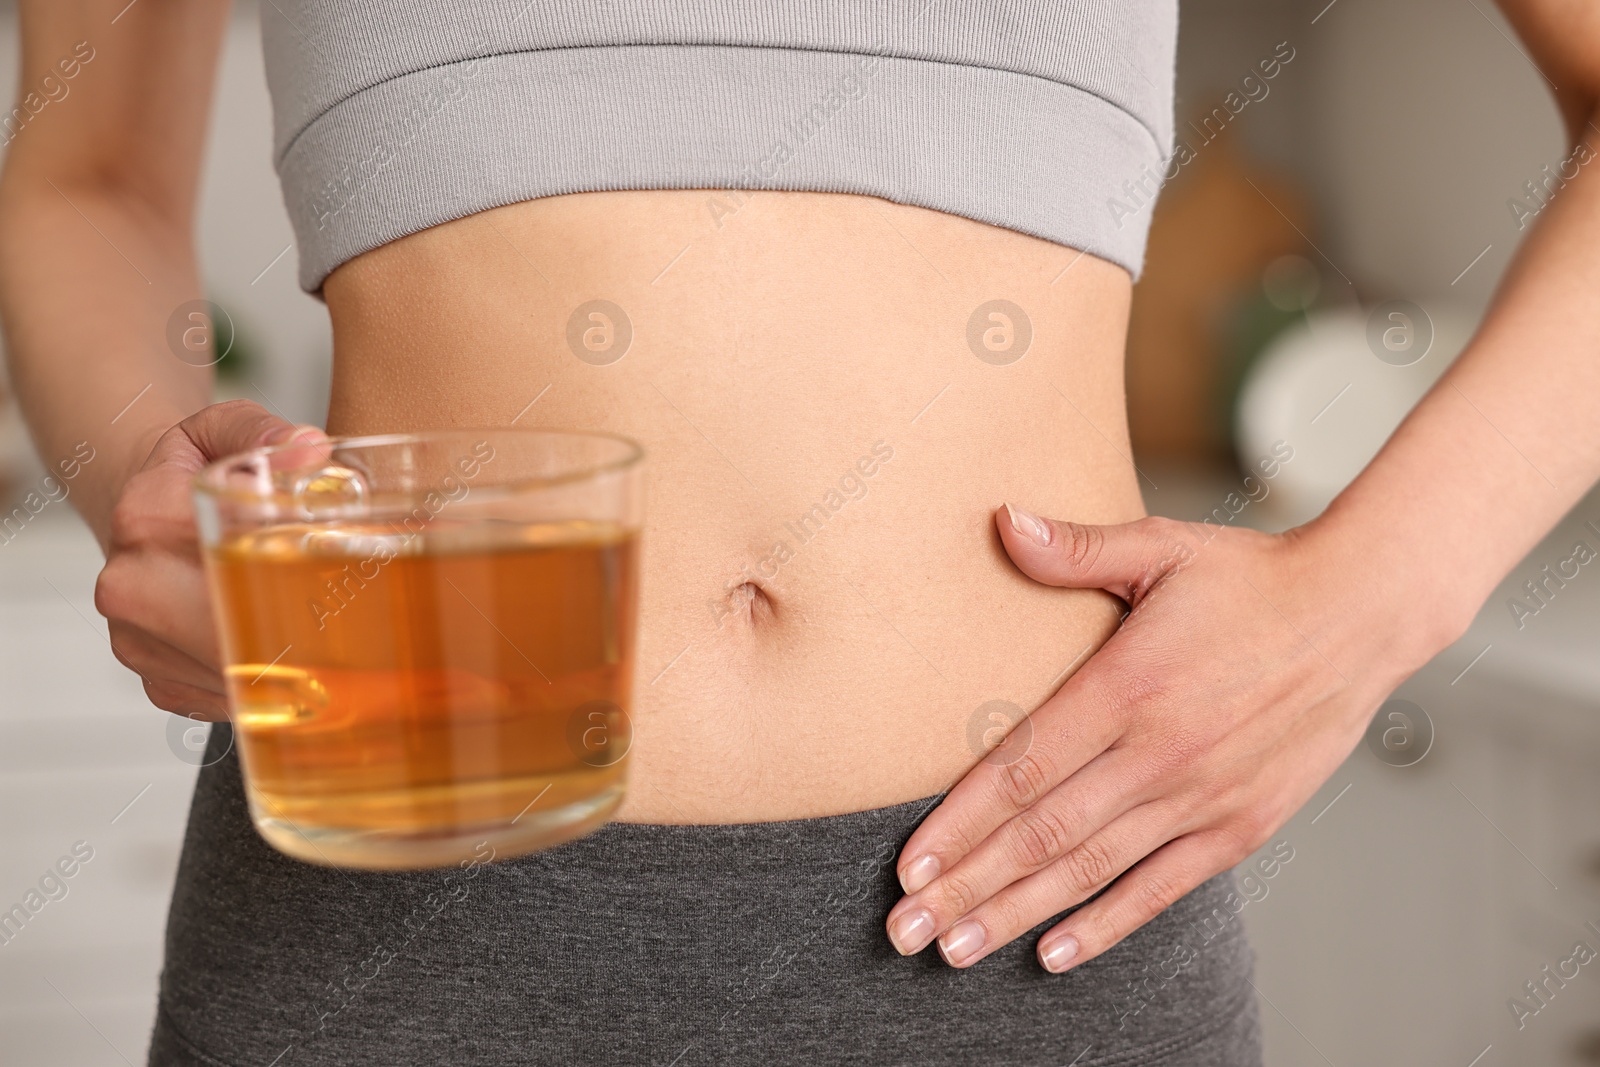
<point x="1410" y="121"/>
<point x="1423" y="118"/>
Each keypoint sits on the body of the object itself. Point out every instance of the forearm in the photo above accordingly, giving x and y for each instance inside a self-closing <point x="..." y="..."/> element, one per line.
<point x="1507" y="441"/>
<point x="97" y="205"/>
<point x="85" y="299"/>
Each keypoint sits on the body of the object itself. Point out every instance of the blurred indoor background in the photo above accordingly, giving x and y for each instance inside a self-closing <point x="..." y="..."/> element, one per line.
<point x="1323" y="254"/>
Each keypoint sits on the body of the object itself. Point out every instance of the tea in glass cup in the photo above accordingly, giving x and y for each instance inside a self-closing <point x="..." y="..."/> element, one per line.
<point x="428" y="639"/>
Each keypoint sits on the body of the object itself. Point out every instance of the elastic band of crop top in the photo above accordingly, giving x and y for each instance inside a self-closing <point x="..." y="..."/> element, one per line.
<point x="410" y="130"/>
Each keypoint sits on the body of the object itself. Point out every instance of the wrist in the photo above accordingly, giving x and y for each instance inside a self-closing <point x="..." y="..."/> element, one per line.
<point x="1397" y="579"/>
<point x="123" y="457"/>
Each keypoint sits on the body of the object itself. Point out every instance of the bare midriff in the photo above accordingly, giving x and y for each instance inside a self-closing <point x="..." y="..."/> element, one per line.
<point x="827" y="614"/>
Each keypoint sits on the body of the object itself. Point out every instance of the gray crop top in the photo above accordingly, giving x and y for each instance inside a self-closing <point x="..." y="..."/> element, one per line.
<point x="1049" y="117"/>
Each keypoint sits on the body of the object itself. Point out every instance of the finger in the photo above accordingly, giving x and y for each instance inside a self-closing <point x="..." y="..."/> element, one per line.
<point x="155" y="660"/>
<point x="1028" y="842"/>
<point x="156" y="507"/>
<point x="225" y="429"/>
<point x="1125" y="559"/>
<point x="1159" y="881"/>
<point x="167" y="596"/>
<point x="1072" y="879"/>
<point x="240" y="425"/>
<point x="186" y="700"/>
<point x="1074" y="726"/>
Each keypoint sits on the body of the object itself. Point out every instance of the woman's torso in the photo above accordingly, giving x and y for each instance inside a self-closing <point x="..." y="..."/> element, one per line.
<point x="836" y="391"/>
<point x="833" y="404"/>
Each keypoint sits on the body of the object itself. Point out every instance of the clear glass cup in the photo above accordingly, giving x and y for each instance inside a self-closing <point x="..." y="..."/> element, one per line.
<point x="428" y="639"/>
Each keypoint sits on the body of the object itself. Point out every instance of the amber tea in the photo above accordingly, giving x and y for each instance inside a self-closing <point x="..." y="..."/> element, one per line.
<point x="400" y="695"/>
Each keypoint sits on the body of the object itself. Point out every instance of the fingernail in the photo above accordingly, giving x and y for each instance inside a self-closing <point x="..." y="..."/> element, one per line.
<point x="304" y="434"/>
<point x="912" y="931"/>
<point x="918" y="873"/>
<point x="1029" y="525"/>
<point x="960" y="943"/>
<point x="1059" y="956"/>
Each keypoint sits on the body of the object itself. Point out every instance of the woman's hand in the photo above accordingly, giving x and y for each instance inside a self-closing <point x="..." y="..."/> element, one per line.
<point x="1244" y="673"/>
<point x="152" y="589"/>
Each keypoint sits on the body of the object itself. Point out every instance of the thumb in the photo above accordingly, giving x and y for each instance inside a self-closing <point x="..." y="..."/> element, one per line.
<point x="229" y="428"/>
<point x="1126" y="559"/>
<point x="239" y="426"/>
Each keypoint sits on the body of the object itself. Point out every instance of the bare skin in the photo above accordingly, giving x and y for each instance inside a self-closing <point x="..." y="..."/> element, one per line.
<point x="775" y="354"/>
<point x="767" y="359"/>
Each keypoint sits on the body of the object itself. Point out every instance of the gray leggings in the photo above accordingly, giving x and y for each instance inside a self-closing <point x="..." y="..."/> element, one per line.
<point x="759" y="943"/>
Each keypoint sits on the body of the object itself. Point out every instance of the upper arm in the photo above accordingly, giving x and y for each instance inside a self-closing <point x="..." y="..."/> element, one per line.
<point x="115" y="95"/>
<point x="1563" y="39"/>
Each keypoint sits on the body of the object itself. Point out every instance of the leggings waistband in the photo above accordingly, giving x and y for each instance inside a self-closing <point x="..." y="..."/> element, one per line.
<point x="750" y="943"/>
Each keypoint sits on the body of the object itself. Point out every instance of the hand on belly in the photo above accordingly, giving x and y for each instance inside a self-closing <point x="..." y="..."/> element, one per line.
<point x="1248" y="667"/>
<point x="831" y="404"/>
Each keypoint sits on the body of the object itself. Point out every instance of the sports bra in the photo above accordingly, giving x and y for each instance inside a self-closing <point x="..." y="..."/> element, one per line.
<point x="1049" y="117"/>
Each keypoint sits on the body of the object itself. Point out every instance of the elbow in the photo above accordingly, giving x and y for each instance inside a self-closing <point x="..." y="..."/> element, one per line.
<point x="41" y="201"/>
<point x="44" y="175"/>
